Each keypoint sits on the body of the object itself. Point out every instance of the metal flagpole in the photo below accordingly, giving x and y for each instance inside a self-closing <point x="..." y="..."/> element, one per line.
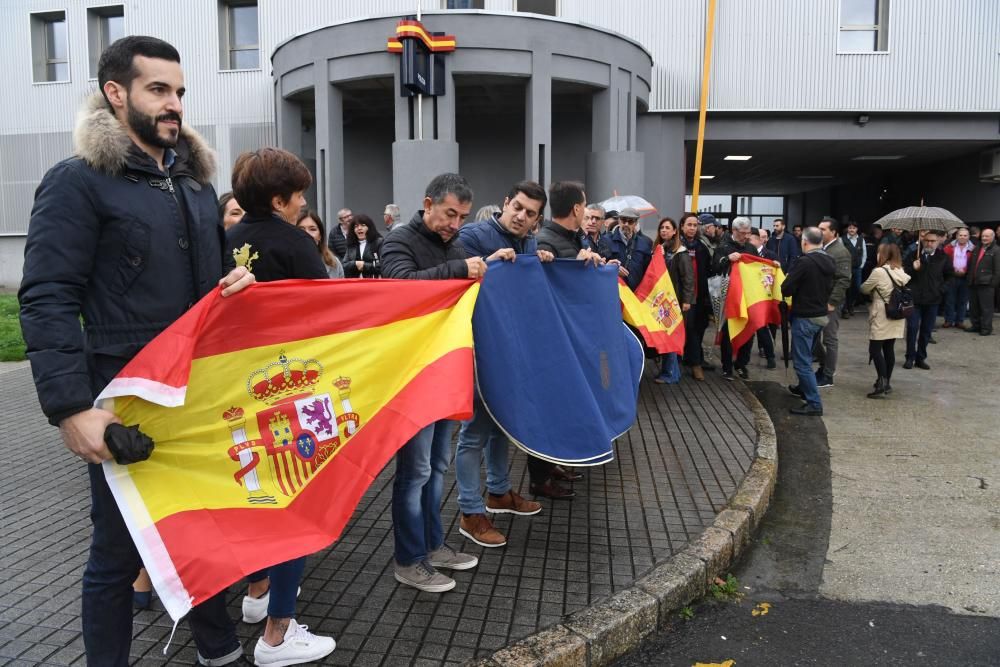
<point x="706" y="68"/>
<point x="420" y="98"/>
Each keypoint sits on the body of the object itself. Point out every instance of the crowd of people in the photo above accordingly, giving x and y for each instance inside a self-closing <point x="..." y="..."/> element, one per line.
<point x="124" y="237"/>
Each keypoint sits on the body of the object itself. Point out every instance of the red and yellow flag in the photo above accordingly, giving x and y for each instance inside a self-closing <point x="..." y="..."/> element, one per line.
<point x="753" y="297"/>
<point x="272" y="411"/>
<point x="654" y="309"/>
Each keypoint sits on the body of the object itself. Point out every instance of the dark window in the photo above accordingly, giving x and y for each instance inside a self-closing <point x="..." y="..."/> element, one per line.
<point x="239" y="37"/>
<point x="864" y="26"/>
<point x="547" y="7"/>
<point x="49" y="47"/>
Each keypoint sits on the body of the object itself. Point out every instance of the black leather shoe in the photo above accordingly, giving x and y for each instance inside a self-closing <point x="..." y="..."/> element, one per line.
<point x="922" y="364"/>
<point x="807" y="411"/>
<point x="794" y="388"/>
<point x="552" y="491"/>
<point x="561" y="474"/>
<point x="743" y="373"/>
<point x="908" y="364"/>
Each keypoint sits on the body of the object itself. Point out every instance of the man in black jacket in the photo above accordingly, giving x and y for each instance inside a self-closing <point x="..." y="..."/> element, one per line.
<point x="809" y="284"/>
<point x="929" y="269"/>
<point x="563" y="235"/>
<point x="727" y="253"/>
<point x="126" y="236"/>
<point x="427" y="248"/>
<point x="984" y="278"/>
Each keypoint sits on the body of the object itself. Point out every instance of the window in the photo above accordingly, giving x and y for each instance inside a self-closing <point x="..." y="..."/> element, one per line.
<point x="864" y="26"/>
<point x="238" y="36"/>
<point x="105" y="25"/>
<point x="464" y="4"/>
<point x="547" y="7"/>
<point x="49" y="47"/>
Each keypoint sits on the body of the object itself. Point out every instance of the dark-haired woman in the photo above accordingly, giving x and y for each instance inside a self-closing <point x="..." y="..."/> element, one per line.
<point x="883" y="332"/>
<point x="364" y="247"/>
<point x="269" y="184"/>
<point x="678" y="263"/>
<point x="696" y="318"/>
<point x="229" y="210"/>
<point x="312" y="224"/>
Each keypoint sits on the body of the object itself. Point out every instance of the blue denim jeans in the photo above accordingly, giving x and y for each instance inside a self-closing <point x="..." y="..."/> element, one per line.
<point x="284" y="586"/>
<point x="107" y="592"/>
<point x="956" y="300"/>
<point x="478" y="436"/>
<point x="670" y="368"/>
<point x="417" y="490"/>
<point x="919" y="326"/>
<point x="804" y="335"/>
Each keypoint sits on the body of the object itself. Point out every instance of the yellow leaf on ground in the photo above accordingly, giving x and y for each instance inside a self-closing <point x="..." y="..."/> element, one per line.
<point x="761" y="609"/>
<point x="727" y="663"/>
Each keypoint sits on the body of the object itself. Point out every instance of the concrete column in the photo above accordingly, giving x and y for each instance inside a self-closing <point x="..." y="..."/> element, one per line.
<point x="538" y="120"/>
<point x="609" y="172"/>
<point x="288" y="118"/>
<point x="329" y="144"/>
<point x="662" y="137"/>
<point x="414" y="164"/>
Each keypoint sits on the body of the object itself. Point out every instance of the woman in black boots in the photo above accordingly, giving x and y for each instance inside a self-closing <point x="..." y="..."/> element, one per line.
<point x="883" y="332"/>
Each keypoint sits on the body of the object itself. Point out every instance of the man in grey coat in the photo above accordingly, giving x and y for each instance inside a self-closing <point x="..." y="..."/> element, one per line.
<point x="827" y="344"/>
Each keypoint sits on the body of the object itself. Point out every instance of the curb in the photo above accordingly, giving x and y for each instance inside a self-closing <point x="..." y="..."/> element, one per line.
<point x="607" y="630"/>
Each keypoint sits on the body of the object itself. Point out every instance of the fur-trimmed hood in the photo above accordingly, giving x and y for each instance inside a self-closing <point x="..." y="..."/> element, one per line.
<point x="100" y="140"/>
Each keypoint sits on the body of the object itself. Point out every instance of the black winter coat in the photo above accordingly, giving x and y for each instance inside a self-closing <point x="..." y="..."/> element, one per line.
<point x="561" y="242"/>
<point x="413" y="251"/>
<point x="372" y="257"/>
<point x="272" y="249"/>
<point x="927" y="284"/>
<point x="985" y="272"/>
<point x="809" y="283"/>
<point x="120" y="243"/>
<point x="720" y="262"/>
<point x="701" y="265"/>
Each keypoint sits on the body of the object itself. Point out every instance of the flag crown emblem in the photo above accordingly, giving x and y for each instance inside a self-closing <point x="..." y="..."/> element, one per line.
<point x="284" y="378"/>
<point x="233" y="414"/>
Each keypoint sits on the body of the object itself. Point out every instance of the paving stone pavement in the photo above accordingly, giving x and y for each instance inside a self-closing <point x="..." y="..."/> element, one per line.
<point x="673" y="472"/>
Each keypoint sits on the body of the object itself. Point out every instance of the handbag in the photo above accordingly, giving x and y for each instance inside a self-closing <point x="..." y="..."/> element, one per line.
<point x="899" y="305"/>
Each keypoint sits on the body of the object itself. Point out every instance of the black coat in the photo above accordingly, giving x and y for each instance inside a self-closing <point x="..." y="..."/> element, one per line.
<point x="720" y="262"/>
<point x="372" y="257"/>
<point x="272" y="249"/>
<point x="113" y="240"/>
<point x="413" y="251"/>
<point x="985" y="272"/>
<point x="558" y="240"/>
<point x="337" y="242"/>
<point x="809" y="283"/>
<point x="701" y="265"/>
<point x="927" y="284"/>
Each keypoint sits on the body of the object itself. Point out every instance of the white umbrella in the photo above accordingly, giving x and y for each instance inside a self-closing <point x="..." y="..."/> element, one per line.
<point x="618" y="202"/>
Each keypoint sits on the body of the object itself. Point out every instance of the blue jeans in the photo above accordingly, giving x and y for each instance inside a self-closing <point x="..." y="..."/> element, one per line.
<point x="284" y="586"/>
<point x="670" y="368"/>
<point x="956" y="300"/>
<point x="919" y="326"/>
<point x="804" y="335"/>
<point x="417" y="490"/>
<point x="107" y="592"/>
<point x="478" y="436"/>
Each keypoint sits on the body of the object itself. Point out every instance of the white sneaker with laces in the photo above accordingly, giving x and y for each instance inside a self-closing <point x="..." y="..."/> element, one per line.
<point x="299" y="646"/>
<point x="255" y="609"/>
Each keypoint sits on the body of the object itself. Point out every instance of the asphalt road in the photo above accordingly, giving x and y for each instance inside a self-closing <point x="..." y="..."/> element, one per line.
<point x="780" y="618"/>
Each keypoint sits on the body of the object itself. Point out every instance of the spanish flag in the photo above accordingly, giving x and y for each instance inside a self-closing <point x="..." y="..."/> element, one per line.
<point x="272" y="411"/>
<point x="654" y="309"/>
<point x="753" y="297"/>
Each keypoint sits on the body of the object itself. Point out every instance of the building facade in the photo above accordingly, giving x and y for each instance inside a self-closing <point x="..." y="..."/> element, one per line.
<point x="845" y="107"/>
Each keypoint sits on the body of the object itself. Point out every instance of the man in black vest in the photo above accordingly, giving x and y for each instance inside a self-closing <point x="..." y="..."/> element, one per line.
<point x="855" y="244"/>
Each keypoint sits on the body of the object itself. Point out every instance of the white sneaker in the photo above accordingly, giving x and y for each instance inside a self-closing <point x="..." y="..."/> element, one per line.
<point x="299" y="646"/>
<point x="255" y="609"/>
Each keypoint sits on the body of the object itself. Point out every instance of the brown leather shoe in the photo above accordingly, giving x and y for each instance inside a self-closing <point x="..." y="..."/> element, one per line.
<point x="479" y="529"/>
<point x="561" y="474"/>
<point x="552" y="490"/>
<point x="697" y="373"/>
<point x="511" y="503"/>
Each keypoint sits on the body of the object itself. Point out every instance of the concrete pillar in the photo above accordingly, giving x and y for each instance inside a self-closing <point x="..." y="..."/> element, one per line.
<point x="538" y="120"/>
<point x="414" y="164"/>
<point x="662" y="137"/>
<point x="288" y="118"/>
<point x="329" y="144"/>
<point x="609" y="172"/>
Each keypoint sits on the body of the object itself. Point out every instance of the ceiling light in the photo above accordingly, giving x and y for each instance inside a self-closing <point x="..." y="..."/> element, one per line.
<point x="707" y="178"/>
<point x="737" y="157"/>
<point x="879" y="157"/>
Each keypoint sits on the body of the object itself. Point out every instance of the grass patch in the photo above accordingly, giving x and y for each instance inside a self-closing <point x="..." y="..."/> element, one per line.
<point x="11" y="342"/>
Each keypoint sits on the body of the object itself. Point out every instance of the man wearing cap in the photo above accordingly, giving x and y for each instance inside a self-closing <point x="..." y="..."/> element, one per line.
<point x="709" y="232"/>
<point x="630" y="247"/>
<point x="610" y="221"/>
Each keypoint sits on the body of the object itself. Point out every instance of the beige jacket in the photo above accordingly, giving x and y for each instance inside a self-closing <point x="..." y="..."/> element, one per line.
<point x="879" y="286"/>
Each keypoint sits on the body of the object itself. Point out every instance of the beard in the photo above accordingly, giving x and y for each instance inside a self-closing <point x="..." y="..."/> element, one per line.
<point x="145" y="127"/>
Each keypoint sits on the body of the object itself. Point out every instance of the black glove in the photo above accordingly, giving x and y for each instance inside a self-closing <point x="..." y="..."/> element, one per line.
<point x="127" y="443"/>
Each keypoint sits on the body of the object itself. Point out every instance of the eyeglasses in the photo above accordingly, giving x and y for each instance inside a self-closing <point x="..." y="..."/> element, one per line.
<point x="628" y="221"/>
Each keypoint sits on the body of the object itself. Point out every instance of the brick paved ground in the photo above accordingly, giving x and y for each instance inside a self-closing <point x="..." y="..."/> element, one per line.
<point x="673" y="471"/>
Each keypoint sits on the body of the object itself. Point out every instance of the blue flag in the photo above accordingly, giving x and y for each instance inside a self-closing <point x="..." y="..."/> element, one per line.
<point x="557" y="369"/>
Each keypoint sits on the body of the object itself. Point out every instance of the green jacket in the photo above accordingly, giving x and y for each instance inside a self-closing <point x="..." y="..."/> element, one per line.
<point x="842" y="280"/>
